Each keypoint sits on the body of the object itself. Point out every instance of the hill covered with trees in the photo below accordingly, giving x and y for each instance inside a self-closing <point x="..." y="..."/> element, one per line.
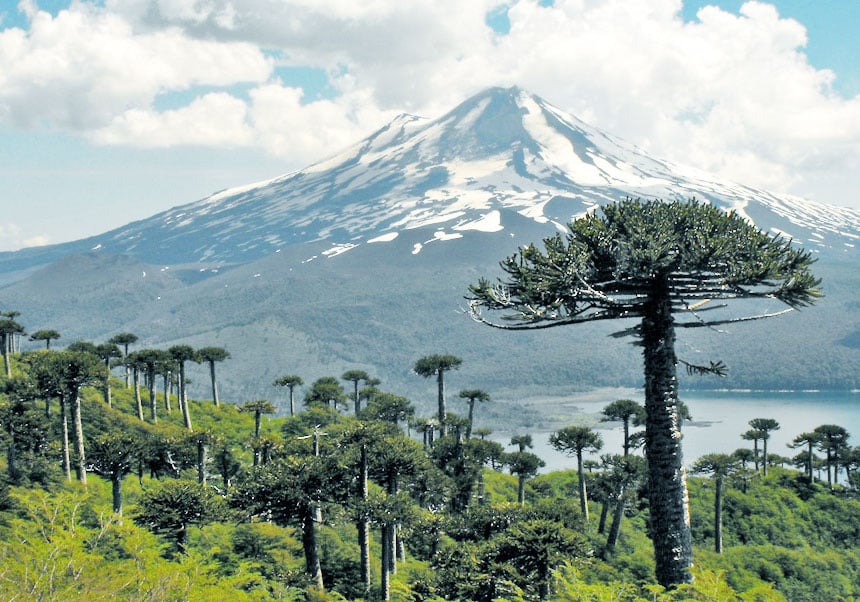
<point x="115" y="491"/>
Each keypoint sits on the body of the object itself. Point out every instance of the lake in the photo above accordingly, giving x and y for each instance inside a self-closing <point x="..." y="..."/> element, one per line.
<point x="719" y="418"/>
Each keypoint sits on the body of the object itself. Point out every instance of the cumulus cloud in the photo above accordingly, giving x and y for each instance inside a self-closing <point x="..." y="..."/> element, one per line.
<point x="12" y="237"/>
<point x="733" y="94"/>
<point x="84" y="67"/>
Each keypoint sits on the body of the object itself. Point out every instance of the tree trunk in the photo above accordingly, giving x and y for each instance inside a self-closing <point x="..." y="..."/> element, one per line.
<point x="440" y="381"/>
<point x="363" y="525"/>
<point x="521" y="490"/>
<point x="384" y="574"/>
<point x="764" y="453"/>
<point x="137" y="400"/>
<point x="309" y="543"/>
<point x="107" y="391"/>
<point x="471" y="417"/>
<point x="292" y="403"/>
<point x="215" y="399"/>
<point x="81" y="467"/>
<point x="186" y="413"/>
<point x="116" y="486"/>
<point x="755" y="454"/>
<point x="667" y="490"/>
<point x="356" y="400"/>
<point x="258" y="416"/>
<point x="604" y="513"/>
<point x="583" y="493"/>
<point x="64" y="440"/>
<point x="718" y="515"/>
<point x="166" y="384"/>
<point x="6" y="356"/>
<point x="127" y="370"/>
<point x="615" y="527"/>
<point x="626" y="437"/>
<point x="153" y="400"/>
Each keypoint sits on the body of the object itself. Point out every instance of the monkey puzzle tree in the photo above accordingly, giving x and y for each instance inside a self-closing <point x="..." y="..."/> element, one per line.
<point x="325" y="390"/>
<point x="651" y="261"/>
<point x="832" y="440"/>
<point x="258" y="407"/>
<point x="292" y="381"/>
<point x="524" y="465"/>
<point x="574" y="440"/>
<point x="112" y="456"/>
<point x="354" y="376"/>
<point x="720" y="466"/>
<point x="763" y="426"/>
<point x="754" y="436"/>
<point x="8" y="329"/>
<point x="107" y="352"/>
<point x="45" y="335"/>
<point x="289" y="491"/>
<point x="628" y="412"/>
<point x="123" y="340"/>
<point x="473" y="395"/>
<point x="182" y="354"/>
<point x="437" y="365"/>
<point x="210" y="355"/>
<point x="808" y="440"/>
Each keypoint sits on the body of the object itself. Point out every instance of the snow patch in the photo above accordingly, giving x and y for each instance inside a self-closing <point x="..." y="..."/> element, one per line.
<point x="388" y="237"/>
<point x="338" y="249"/>
<point x="417" y="248"/>
<point x="489" y="222"/>
<point x="442" y="235"/>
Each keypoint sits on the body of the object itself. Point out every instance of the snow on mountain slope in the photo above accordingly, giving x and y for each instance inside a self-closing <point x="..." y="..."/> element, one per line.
<point x="501" y="149"/>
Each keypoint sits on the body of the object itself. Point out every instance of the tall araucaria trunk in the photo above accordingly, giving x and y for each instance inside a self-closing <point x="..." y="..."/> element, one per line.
<point x="440" y="382"/>
<point x="215" y="399"/>
<point x="667" y="480"/>
<point x="5" y="344"/>
<point x="81" y="466"/>
<point x="64" y="438"/>
<point x="153" y="400"/>
<point x="183" y="396"/>
<point x="116" y="486"/>
<point x="167" y="391"/>
<point x="583" y="491"/>
<point x="617" y="515"/>
<point x="309" y="543"/>
<point x="718" y="514"/>
<point x="363" y="525"/>
<point x="137" y="400"/>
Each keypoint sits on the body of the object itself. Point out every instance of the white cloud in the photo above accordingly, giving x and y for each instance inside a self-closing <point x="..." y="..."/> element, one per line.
<point x="733" y="94"/>
<point x="12" y="237"/>
<point x="84" y="67"/>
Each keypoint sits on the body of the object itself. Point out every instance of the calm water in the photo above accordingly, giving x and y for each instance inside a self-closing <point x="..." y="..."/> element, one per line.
<point x="719" y="418"/>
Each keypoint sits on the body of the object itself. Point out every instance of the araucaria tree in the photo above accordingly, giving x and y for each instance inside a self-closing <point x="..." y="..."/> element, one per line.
<point x="123" y="340"/>
<point x="574" y="440"/>
<point x="292" y="381"/>
<point x="210" y="355"/>
<point x="763" y="426"/>
<point x="437" y="365"/>
<point x="652" y="261"/>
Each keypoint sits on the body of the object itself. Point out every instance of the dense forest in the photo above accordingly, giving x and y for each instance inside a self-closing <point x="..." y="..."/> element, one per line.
<point x="117" y="487"/>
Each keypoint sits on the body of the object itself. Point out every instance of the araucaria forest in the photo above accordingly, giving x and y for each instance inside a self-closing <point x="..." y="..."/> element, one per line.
<point x="117" y="486"/>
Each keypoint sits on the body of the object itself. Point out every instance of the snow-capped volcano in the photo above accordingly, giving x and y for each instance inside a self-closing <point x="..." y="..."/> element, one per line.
<point x="363" y="259"/>
<point x="503" y="149"/>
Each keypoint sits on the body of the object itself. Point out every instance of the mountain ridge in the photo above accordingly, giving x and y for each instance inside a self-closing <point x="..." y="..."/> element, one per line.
<point x="363" y="259"/>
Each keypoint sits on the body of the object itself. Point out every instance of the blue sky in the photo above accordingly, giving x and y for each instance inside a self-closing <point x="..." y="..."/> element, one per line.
<point x="113" y="110"/>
